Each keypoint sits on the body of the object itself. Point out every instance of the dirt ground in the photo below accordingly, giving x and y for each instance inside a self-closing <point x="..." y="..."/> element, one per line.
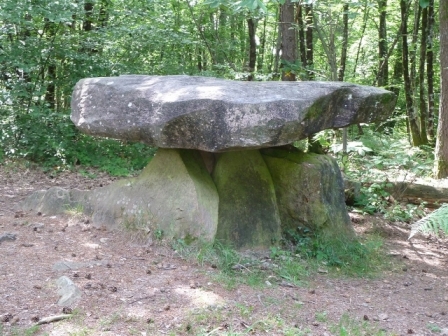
<point x="130" y="288"/>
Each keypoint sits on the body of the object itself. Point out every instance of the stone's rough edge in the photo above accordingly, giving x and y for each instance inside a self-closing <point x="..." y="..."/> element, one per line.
<point x="219" y="115"/>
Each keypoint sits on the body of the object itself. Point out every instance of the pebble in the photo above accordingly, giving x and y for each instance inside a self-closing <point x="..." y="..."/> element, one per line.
<point x="8" y="237"/>
<point x="383" y="317"/>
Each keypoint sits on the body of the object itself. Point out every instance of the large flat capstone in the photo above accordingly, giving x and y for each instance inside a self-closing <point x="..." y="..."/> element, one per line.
<point x="217" y="115"/>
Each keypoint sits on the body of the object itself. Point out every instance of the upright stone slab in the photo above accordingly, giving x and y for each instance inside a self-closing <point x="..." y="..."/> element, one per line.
<point x="174" y="193"/>
<point x="309" y="190"/>
<point x="248" y="213"/>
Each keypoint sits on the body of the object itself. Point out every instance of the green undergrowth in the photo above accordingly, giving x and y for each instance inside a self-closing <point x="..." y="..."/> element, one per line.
<point x="293" y="262"/>
<point x="112" y="156"/>
<point x="16" y="331"/>
<point x="373" y="160"/>
<point x="88" y="156"/>
<point x="360" y="257"/>
<point x="201" y="321"/>
<point x="348" y="326"/>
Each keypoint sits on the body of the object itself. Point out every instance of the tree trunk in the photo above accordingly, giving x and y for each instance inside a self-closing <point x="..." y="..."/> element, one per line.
<point x="441" y="152"/>
<point x="221" y="35"/>
<point x="413" y="126"/>
<point x="278" y="47"/>
<point x="88" y="11"/>
<point x="341" y="70"/>
<point x="289" y="41"/>
<point x="309" y="41"/>
<point x="261" y="52"/>
<point x="302" y="45"/>
<point x="421" y="78"/>
<point x="383" y="71"/>
<point x="413" y="50"/>
<point x="252" y="48"/>
<point x="50" y="76"/>
<point x="430" y="68"/>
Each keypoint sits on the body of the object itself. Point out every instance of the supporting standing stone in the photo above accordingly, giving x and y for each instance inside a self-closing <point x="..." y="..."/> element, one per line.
<point x="310" y="192"/>
<point x="248" y="213"/>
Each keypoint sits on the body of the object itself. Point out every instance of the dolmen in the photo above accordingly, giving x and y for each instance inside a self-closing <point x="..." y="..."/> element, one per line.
<point x="226" y="168"/>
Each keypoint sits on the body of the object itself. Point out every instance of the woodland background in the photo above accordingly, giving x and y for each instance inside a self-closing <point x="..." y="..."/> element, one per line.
<point x="47" y="46"/>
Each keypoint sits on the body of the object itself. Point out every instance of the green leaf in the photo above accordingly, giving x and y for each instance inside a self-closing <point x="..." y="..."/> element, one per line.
<point x="433" y="223"/>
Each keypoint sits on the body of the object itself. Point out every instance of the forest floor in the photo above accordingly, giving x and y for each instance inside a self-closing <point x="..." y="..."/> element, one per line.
<point x="131" y="288"/>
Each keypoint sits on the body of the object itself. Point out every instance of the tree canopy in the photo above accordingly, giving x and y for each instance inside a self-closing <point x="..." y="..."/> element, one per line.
<point x="47" y="46"/>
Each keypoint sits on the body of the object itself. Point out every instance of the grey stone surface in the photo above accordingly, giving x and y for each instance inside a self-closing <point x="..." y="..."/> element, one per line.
<point x="53" y="201"/>
<point x="217" y="115"/>
<point x="70" y="294"/>
<point x="8" y="237"/>
<point x="310" y="192"/>
<point x="174" y="194"/>
<point x="248" y="213"/>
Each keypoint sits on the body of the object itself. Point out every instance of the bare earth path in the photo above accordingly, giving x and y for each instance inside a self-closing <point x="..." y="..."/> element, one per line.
<point x="134" y="289"/>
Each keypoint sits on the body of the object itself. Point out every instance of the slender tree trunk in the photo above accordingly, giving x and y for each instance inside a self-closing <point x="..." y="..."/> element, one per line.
<point x="413" y="51"/>
<point x="397" y="76"/>
<point x="421" y="78"/>
<point x="261" y="52"/>
<point x="88" y="11"/>
<point x="50" y="94"/>
<point x="289" y="40"/>
<point x="430" y="68"/>
<point x="201" y="33"/>
<point x="50" y="76"/>
<point x="251" y="24"/>
<point x="327" y="41"/>
<point x="364" y="25"/>
<point x="309" y="41"/>
<point x="342" y="63"/>
<point x="301" y="33"/>
<point x="383" y="71"/>
<point x="441" y="152"/>
<point x="221" y="35"/>
<point x="413" y="126"/>
<point x="341" y="70"/>
<point x="278" y="46"/>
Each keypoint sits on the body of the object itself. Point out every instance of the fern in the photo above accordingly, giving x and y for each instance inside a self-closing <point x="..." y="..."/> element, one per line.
<point x="433" y="223"/>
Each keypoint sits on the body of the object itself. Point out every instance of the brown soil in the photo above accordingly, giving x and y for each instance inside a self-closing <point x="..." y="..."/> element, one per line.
<point x="130" y="288"/>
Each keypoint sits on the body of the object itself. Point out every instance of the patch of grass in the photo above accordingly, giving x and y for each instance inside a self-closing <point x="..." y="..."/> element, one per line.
<point x="290" y="267"/>
<point x="321" y="317"/>
<point x="352" y="257"/>
<point x="82" y="332"/>
<point x="434" y="328"/>
<point x="348" y="326"/>
<point x="24" y="332"/>
<point x="111" y="320"/>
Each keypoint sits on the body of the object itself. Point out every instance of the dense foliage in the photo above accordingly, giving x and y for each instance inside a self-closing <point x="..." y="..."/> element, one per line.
<point x="47" y="46"/>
